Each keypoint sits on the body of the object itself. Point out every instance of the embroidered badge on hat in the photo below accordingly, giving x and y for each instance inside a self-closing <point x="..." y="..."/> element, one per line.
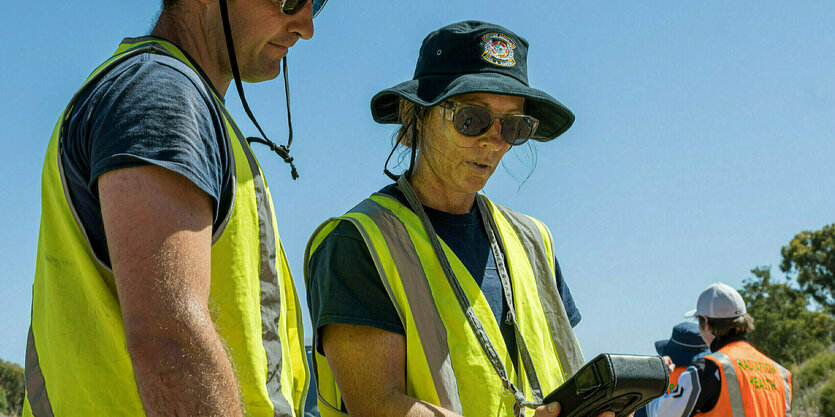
<point x="498" y="49"/>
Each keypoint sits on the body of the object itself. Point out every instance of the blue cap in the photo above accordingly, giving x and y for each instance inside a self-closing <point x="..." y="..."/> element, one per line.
<point x="684" y="346"/>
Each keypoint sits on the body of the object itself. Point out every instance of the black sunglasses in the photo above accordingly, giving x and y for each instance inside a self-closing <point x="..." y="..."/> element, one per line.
<point x="291" y="7"/>
<point x="472" y="120"/>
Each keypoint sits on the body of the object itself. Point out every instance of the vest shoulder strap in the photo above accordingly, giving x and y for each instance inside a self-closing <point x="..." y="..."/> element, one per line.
<point x="732" y="383"/>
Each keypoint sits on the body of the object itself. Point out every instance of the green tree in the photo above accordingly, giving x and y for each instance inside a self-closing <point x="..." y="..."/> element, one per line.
<point x="11" y="381"/>
<point x="4" y="404"/>
<point x="787" y="330"/>
<point x="810" y="256"/>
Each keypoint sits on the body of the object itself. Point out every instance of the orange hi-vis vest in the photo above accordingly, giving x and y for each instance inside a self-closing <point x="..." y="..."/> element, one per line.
<point x="752" y="384"/>
<point x="674" y="378"/>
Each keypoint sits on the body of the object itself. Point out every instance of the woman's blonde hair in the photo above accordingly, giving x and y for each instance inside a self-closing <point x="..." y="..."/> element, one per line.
<point x="411" y="118"/>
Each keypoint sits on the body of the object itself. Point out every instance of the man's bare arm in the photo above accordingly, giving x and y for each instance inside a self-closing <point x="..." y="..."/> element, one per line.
<point x="158" y="226"/>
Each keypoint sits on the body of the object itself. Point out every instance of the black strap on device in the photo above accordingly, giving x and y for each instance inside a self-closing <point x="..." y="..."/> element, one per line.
<point x="282" y="150"/>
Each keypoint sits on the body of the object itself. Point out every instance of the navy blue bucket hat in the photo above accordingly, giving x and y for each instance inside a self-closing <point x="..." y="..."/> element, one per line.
<point x="684" y="346"/>
<point x="473" y="57"/>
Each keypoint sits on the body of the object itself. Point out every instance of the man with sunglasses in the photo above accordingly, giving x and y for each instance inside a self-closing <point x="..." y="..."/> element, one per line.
<point x="427" y="298"/>
<point x="161" y="287"/>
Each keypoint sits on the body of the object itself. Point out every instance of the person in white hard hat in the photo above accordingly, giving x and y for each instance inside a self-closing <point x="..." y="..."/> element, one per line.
<point x="736" y="379"/>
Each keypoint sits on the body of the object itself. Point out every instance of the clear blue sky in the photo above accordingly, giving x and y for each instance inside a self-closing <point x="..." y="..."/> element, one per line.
<point x="703" y="140"/>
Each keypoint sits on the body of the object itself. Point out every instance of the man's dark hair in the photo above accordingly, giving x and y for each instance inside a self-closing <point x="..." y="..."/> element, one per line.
<point x="728" y="327"/>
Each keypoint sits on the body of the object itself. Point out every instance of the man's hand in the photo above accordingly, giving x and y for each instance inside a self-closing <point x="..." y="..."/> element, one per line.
<point x="159" y="229"/>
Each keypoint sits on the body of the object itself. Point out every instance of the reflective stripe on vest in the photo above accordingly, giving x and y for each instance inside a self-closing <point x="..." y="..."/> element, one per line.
<point x="784" y="373"/>
<point x="434" y="374"/>
<point x="272" y="377"/>
<point x="37" y="395"/>
<point x="433" y="335"/>
<point x="531" y="230"/>
<point x="732" y="383"/>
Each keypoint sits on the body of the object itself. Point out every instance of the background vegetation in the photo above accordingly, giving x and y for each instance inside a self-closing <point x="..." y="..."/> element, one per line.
<point x="11" y="388"/>
<point x="795" y="318"/>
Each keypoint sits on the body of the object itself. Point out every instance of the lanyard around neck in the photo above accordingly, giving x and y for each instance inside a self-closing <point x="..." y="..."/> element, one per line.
<point x="467" y="308"/>
<point x="491" y="229"/>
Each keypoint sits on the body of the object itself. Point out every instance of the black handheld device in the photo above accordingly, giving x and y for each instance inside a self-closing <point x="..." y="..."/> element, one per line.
<point x="609" y="382"/>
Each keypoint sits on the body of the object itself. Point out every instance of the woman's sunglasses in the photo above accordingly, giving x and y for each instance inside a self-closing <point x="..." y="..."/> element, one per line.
<point x="291" y="7"/>
<point x="472" y="120"/>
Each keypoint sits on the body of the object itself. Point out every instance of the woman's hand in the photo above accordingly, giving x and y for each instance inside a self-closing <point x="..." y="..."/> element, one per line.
<point x="553" y="410"/>
<point x="669" y="362"/>
<point x="548" y="410"/>
<point x="369" y="366"/>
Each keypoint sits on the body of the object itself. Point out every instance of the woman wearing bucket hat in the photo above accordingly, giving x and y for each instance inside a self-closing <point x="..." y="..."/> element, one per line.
<point x="684" y="347"/>
<point x="427" y="298"/>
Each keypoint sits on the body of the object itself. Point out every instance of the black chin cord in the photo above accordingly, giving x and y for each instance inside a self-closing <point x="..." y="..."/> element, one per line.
<point x="413" y="152"/>
<point x="282" y="150"/>
<point x="408" y="172"/>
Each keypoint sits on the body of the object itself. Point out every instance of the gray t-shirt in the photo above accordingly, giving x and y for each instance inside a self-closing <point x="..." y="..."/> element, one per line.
<point x="151" y="109"/>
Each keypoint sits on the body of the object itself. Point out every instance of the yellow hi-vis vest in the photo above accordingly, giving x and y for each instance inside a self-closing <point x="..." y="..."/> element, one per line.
<point x="445" y="364"/>
<point x="77" y="362"/>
